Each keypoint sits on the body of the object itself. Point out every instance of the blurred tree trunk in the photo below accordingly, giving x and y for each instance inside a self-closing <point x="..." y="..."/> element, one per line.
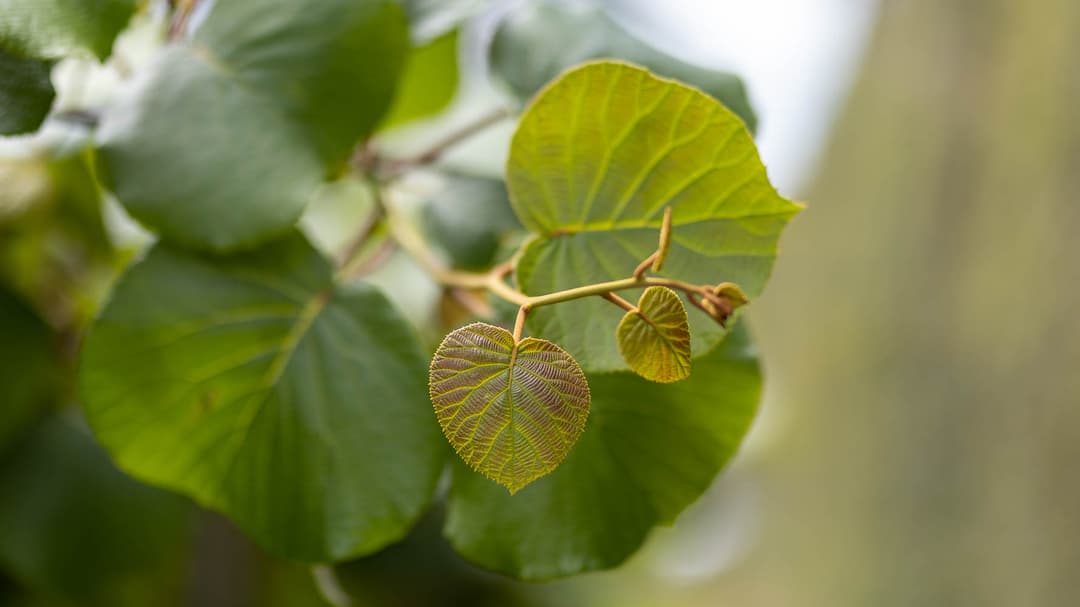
<point x="923" y="326"/>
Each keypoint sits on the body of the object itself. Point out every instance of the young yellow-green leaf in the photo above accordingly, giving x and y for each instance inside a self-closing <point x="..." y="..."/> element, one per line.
<point x="511" y="411"/>
<point x="596" y="159"/>
<point x="655" y="339"/>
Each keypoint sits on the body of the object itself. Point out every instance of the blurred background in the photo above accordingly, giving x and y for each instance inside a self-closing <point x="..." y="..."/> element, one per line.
<point x="920" y="437"/>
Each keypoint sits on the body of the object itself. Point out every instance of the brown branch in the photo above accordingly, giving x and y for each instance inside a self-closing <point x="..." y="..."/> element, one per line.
<point x="395" y="167"/>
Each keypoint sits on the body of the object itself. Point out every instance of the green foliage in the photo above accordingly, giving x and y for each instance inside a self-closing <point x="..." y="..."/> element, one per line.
<point x="648" y="451"/>
<point x="26" y="94"/>
<point x="428" y="83"/>
<point x="250" y="117"/>
<point x="54" y="250"/>
<point x="54" y="28"/>
<point x="234" y="364"/>
<point x="29" y="366"/>
<point x="533" y="45"/>
<point x="76" y="526"/>
<point x="654" y="338"/>
<point x="257" y="387"/>
<point x="511" y="409"/>
<point x="596" y="159"/>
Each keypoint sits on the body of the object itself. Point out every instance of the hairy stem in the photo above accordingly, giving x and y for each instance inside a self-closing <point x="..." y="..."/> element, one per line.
<point x="619" y="301"/>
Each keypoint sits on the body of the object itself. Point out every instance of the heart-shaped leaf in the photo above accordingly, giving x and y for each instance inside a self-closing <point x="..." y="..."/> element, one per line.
<point x="512" y="411"/>
<point x="257" y="386"/>
<point x="655" y="338"/>
<point x="596" y="159"/>
<point x="648" y="452"/>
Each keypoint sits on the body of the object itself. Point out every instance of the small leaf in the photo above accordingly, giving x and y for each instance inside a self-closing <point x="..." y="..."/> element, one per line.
<point x="596" y="159"/>
<point x="727" y="297"/>
<point x="655" y="340"/>
<point x="511" y="411"/>
<point x="26" y="93"/>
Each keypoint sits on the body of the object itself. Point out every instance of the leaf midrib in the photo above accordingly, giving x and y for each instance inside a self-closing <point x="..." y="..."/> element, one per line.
<point x="304" y="320"/>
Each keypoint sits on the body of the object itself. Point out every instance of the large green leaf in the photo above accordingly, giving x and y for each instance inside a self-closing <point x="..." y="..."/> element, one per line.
<point x="29" y="366"/>
<point x="257" y="387"/>
<point x="429" y="82"/>
<point x="594" y="162"/>
<point x="221" y="142"/>
<point x="26" y="93"/>
<point x="512" y="410"/>
<point x="331" y="65"/>
<point x="648" y="451"/>
<point x="541" y="39"/>
<point x="54" y="28"/>
<point x="73" y="525"/>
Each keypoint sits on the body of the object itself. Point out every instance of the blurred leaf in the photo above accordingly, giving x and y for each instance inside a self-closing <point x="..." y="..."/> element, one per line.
<point x="74" y="525"/>
<point x="594" y="162"/>
<point x="54" y="249"/>
<point x="468" y="218"/>
<point x="220" y="144"/>
<point x="423" y="570"/>
<point x="55" y="28"/>
<point x="512" y="411"/>
<point x="26" y="93"/>
<point x="429" y="82"/>
<point x="535" y="43"/>
<point x="29" y="369"/>
<point x="254" y="385"/>
<point x="649" y="451"/>
<point x="655" y="339"/>
<point x="332" y="66"/>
